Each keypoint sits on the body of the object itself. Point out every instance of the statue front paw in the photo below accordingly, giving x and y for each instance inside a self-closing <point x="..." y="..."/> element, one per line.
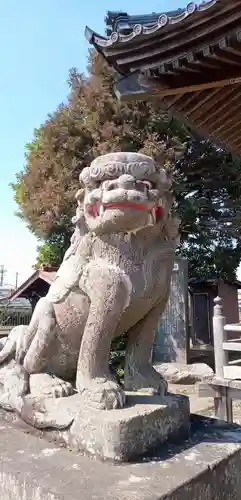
<point x="101" y="393"/>
<point x="145" y="378"/>
<point x="44" y="384"/>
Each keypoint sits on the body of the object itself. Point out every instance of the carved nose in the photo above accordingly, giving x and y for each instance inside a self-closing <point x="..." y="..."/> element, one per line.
<point x="127" y="181"/>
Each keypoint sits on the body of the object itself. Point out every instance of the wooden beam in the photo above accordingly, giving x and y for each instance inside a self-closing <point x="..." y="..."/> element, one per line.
<point x="164" y="69"/>
<point x="228" y="46"/>
<point x="198" y="61"/>
<point x="232" y="132"/>
<point x="217" y="54"/>
<point x="165" y="91"/>
<point x="196" y="108"/>
<point x="235" y="149"/>
<point x="219" y="110"/>
<point x="173" y="99"/>
<point x="179" y="66"/>
<point x="188" y="100"/>
<point x="235" y="135"/>
<point x="211" y="97"/>
<point x="236" y="143"/>
<point x="224" y="120"/>
<point x="222" y="102"/>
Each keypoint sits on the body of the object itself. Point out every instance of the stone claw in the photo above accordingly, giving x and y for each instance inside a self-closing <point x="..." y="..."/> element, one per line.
<point x="102" y="393"/>
<point x="44" y="384"/>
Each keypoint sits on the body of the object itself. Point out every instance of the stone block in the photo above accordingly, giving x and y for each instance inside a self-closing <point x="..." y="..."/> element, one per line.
<point x="146" y="422"/>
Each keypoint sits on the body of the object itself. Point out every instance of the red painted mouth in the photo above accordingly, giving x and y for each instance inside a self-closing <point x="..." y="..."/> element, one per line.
<point x="94" y="209"/>
<point x="126" y="204"/>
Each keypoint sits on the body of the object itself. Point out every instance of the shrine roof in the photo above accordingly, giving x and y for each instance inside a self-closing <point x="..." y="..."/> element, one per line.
<point x="124" y="23"/>
<point x="190" y="59"/>
<point x="46" y="274"/>
<point x="132" y="39"/>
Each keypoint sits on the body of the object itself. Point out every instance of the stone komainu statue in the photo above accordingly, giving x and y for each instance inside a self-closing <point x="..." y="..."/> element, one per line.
<point x="115" y="278"/>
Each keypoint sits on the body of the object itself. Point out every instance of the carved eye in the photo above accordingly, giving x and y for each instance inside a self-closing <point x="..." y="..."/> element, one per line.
<point x="110" y="187"/>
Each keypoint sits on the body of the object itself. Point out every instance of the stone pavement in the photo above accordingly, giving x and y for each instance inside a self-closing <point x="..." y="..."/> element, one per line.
<point x="206" y="466"/>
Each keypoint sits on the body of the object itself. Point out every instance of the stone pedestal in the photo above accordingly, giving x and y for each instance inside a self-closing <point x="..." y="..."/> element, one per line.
<point x="143" y="425"/>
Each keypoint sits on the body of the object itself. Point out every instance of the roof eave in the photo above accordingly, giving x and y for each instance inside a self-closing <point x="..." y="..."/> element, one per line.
<point x="38" y="274"/>
<point x="17" y="293"/>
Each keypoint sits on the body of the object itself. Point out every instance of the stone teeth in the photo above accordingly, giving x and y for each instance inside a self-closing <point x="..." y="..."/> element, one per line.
<point x="151" y="223"/>
<point x="101" y="210"/>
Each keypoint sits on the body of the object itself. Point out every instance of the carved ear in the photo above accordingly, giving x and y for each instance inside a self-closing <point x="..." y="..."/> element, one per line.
<point x="80" y="196"/>
<point x="84" y="177"/>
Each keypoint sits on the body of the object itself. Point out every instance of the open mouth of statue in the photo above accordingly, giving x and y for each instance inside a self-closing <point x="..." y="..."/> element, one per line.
<point x="96" y="209"/>
<point x="126" y="204"/>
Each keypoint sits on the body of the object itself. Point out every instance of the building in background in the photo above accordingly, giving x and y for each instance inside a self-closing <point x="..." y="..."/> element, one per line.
<point x="202" y="294"/>
<point x="12" y="312"/>
<point x="35" y="287"/>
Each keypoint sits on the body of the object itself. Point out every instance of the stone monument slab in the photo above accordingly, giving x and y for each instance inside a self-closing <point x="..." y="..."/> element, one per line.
<point x="171" y="341"/>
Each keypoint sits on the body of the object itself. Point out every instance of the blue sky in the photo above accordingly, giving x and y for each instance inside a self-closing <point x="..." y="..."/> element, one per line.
<point x="39" y="41"/>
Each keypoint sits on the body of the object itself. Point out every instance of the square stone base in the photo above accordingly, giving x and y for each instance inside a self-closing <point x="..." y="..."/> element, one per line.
<point x="144" y="424"/>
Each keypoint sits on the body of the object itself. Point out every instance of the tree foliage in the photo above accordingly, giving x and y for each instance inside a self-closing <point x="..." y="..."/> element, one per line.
<point x="92" y="122"/>
<point x="208" y="193"/>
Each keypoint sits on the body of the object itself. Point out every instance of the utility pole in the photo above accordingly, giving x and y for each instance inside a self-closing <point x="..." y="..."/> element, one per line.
<point x="16" y="281"/>
<point x="2" y="274"/>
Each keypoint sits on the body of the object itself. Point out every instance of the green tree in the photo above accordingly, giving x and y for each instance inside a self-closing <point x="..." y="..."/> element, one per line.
<point x="208" y="193"/>
<point x="92" y="122"/>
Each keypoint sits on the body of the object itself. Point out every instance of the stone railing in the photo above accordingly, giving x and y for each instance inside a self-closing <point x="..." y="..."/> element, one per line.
<point x="226" y="383"/>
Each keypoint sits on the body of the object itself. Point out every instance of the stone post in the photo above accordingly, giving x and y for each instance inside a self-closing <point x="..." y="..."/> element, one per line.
<point x="223" y="404"/>
<point x="219" y="336"/>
